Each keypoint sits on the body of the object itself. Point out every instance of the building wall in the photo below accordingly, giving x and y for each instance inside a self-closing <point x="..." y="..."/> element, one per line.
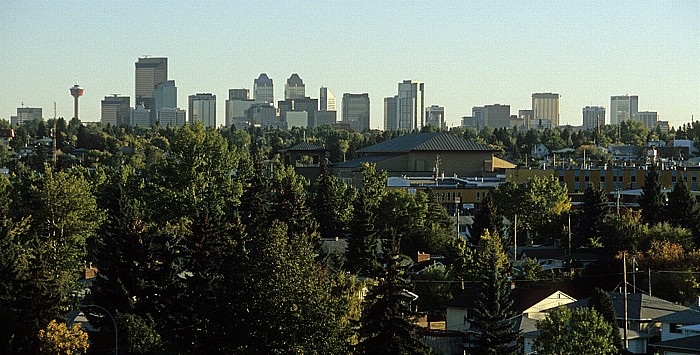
<point x="149" y="73"/>
<point x="356" y="111"/>
<point x="545" y="106"/>
<point x="593" y="117"/>
<point x="577" y="180"/>
<point x="623" y="108"/>
<point x="391" y="113"/>
<point x="411" y="105"/>
<point x="463" y="164"/>
<point x="202" y="107"/>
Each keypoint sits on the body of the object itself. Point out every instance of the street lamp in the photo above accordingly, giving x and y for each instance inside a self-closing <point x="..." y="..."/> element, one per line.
<point x="114" y="323"/>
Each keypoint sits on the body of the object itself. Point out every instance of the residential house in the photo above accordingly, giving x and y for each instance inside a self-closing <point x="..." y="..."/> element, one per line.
<point x="539" y="151"/>
<point x="642" y="314"/>
<point x="529" y="305"/>
<point x="680" y="333"/>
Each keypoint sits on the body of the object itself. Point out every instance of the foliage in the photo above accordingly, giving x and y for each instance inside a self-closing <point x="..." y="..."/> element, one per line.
<point x="386" y="325"/>
<point x="682" y="209"/>
<point x="493" y="318"/>
<point x="581" y="331"/>
<point x="364" y="234"/>
<point x="590" y="218"/>
<point x="539" y="205"/>
<point x="602" y="303"/>
<point x="137" y="335"/>
<point x="331" y="207"/>
<point x="433" y="289"/>
<point x="486" y="218"/>
<point x="57" y="338"/>
<point x="651" y="201"/>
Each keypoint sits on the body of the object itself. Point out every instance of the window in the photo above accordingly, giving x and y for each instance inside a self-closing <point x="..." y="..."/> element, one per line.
<point x="587" y="179"/>
<point x="675" y="328"/>
<point x="634" y="179"/>
<point x="602" y="178"/>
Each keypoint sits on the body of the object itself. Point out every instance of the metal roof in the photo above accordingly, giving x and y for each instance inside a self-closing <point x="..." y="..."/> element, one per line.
<point x="439" y="141"/>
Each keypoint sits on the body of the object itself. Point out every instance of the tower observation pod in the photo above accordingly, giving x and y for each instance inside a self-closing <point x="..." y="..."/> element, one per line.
<point x="76" y="91"/>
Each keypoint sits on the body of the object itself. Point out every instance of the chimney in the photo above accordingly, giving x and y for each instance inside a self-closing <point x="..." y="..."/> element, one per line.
<point x="423" y="256"/>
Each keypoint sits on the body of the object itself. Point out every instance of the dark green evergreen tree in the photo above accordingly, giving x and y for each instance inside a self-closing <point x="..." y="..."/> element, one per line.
<point x="651" y="201"/>
<point x="682" y="209"/>
<point x="386" y="324"/>
<point x="362" y="253"/>
<point x="486" y="218"/>
<point x="494" y="331"/>
<point x="590" y="218"/>
<point x="331" y="208"/>
<point x="602" y="303"/>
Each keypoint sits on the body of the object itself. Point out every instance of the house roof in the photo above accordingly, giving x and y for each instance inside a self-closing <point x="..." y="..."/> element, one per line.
<point x="689" y="316"/>
<point x="639" y="306"/>
<point x="303" y="146"/>
<point x="437" y="141"/>
<point x="687" y="343"/>
<point x="523" y="298"/>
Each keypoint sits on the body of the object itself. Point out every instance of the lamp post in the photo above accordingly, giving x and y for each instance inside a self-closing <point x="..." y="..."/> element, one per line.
<point x="114" y="323"/>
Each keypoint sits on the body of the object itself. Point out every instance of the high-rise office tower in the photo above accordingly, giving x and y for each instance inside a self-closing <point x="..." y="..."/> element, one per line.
<point x="593" y="118"/>
<point x="202" y="107"/>
<point x="545" y="107"/>
<point x="411" y="105"/>
<point x="326" y="100"/>
<point x="295" y="88"/>
<point x="238" y="103"/>
<point x="304" y="104"/>
<point x="649" y="118"/>
<point x="526" y="116"/>
<point x="150" y="71"/>
<point x="623" y="108"/>
<point x="76" y="91"/>
<point x="238" y="94"/>
<point x="165" y="95"/>
<point x="496" y="115"/>
<point x="435" y="116"/>
<point x="140" y="116"/>
<point x="263" y="90"/>
<point x="171" y="117"/>
<point x="28" y="114"/>
<point x="116" y="110"/>
<point x="391" y="120"/>
<point x="356" y="111"/>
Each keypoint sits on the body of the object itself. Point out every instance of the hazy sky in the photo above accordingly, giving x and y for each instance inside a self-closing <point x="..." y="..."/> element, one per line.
<point x="468" y="53"/>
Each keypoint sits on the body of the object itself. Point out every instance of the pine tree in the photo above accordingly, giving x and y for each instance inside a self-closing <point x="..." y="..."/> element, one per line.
<point x="601" y="302"/>
<point x="386" y="324"/>
<point x="486" y="218"/>
<point x="364" y="236"/>
<point x="494" y="331"/>
<point x="651" y="201"/>
<point x="682" y="209"/>
<point x="591" y="216"/>
<point x="331" y="209"/>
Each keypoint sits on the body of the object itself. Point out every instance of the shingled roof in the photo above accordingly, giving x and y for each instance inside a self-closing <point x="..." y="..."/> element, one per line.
<point x="439" y="141"/>
<point x="640" y="306"/>
<point x="303" y="147"/>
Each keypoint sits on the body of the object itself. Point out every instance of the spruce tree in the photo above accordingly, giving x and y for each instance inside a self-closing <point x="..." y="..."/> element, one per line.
<point x="590" y="217"/>
<point x="386" y="324"/>
<point x="331" y="209"/>
<point x="362" y="252"/>
<point x="601" y="302"/>
<point x="682" y="209"/>
<point x="651" y="201"/>
<point x="486" y="218"/>
<point x="493" y="326"/>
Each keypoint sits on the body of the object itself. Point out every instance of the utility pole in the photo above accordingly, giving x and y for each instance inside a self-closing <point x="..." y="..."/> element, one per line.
<point x="649" y="281"/>
<point x="624" y="281"/>
<point x="569" y="235"/>
<point x="55" y="134"/>
<point x="617" y="204"/>
<point x="515" y="239"/>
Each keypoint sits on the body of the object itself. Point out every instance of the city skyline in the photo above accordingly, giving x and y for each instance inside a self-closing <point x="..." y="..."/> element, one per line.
<point x="503" y="54"/>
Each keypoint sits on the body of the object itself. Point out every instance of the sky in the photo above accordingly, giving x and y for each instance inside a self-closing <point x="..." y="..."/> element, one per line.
<point x="468" y="53"/>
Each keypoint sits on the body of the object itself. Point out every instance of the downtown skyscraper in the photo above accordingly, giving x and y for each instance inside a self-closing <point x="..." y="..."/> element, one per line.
<point x="356" y="111"/>
<point x="263" y="89"/>
<point x="545" y="108"/>
<point x="150" y="71"/>
<point x="409" y="113"/>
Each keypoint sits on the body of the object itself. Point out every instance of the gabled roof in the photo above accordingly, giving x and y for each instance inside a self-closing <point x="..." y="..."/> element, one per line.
<point x="687" y="343"/>
<point x="438" y="141"/>
<point x="689" y="316"/>
<point x="639" y="306"/>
